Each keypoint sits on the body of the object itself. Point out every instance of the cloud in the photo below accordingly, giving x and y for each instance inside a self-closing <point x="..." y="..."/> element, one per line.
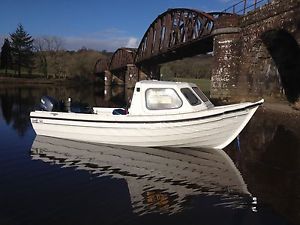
<point x="75" y="43"/>
<point x="109" y="39"/>
<point x="132" y="43"/>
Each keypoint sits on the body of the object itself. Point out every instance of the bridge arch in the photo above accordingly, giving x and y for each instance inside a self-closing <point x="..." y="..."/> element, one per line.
<point x="173" y="29"/>
<point x="121" y="58"/>
<point x="285" y="52"/>
<point x="101" y="65"/>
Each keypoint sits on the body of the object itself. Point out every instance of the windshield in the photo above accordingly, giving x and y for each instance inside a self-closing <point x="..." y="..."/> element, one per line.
<point x="162" y="98"/>
<point x="190" y="96"/>
<point x="200" y="94"/>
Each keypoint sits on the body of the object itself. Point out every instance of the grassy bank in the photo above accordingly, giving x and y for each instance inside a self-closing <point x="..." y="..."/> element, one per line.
<point x="203" y="83"/>
<point x="7" y="81"/>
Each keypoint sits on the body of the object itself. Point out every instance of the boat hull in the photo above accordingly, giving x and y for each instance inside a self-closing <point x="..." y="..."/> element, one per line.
<point x="209" y="131"/>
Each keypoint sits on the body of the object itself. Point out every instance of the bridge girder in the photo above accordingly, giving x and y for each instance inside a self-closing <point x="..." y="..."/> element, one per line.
<point x="175" y="34"/>
<point x="121" y="58"/>
<point x="173" y="30"/>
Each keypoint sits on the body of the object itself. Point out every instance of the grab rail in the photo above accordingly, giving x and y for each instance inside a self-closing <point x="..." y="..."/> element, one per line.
<point x="246" y="6"/>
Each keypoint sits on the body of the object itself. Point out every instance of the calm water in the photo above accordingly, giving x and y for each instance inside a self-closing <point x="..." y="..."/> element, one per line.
<point x="54" y="181"/>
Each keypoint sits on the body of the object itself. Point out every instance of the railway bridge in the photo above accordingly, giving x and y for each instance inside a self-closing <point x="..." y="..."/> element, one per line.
<point x="255" y="46"/>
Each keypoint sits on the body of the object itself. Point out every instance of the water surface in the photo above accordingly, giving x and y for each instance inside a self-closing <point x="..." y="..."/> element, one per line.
<point x="55" y="181"/>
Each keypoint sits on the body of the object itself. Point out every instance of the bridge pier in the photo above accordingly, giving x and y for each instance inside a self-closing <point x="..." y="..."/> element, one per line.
<point x="226" y="57"/>
<point x="131" y="76"/>
<point x="107" y="93"/>
<point x="107" y="78"/>
<point x="257" y="54"/>
<point x="127" y="76"/>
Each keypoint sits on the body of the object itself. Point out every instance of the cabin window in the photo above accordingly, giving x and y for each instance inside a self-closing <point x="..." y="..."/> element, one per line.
<point x="190" y="96"/>
<point x="200" y="94"/>
<point x="162" y="98"/>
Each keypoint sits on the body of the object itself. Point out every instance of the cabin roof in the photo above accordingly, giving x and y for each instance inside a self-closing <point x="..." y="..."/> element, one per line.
<point x="157" y="84"/>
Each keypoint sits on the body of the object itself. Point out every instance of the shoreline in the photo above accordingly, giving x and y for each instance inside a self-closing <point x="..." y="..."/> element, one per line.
<point x="280" y="107"/>
<point x="39" y="81"/>
<point x="270" y="105"/>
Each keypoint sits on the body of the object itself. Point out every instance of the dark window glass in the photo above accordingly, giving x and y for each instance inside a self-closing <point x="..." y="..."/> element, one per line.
<point x="200" y="94"/>
<point x="189" y="95"/>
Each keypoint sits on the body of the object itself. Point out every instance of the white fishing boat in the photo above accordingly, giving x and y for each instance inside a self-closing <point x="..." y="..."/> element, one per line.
<point x="173" y="114"/>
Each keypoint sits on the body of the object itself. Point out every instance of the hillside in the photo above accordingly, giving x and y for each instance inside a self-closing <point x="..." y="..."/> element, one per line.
<point x="196" y="67"/>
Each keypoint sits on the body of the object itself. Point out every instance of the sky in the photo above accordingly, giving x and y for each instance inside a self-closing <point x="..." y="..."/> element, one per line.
<point x="95" y="24"/>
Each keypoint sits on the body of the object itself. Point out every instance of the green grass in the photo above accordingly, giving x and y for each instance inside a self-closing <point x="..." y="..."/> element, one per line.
<point x="204" y="84"/>
<point x="24" y="74"/>
<point x="9" y="72"/>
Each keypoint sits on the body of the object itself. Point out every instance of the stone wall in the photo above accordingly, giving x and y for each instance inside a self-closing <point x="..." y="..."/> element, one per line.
<point x="264" y="44"/>
<point x="226" y="56"/>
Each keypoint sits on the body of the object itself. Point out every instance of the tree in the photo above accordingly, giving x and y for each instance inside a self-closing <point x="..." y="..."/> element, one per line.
<point x="21" y="46"/>
<point x="41" y="53"/>
<point x="6" y="58"/>
<point x="49" y="51"/>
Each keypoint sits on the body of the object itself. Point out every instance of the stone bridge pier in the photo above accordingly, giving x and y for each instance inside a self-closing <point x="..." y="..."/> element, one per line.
<point x="227" y="42"/>
<point x="258" y="54"/>
<point x="131" y="75"/>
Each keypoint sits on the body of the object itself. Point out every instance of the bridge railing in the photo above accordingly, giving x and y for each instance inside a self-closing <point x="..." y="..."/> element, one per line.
<point x="244" y="6"/>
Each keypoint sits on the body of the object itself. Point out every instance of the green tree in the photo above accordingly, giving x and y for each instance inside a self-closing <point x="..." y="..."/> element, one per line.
<point x="21" y="46"/>
<point x="6" y="58"/>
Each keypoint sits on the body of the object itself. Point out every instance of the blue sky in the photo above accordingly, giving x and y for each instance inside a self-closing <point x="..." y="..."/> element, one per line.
<point x="97" y="24"/>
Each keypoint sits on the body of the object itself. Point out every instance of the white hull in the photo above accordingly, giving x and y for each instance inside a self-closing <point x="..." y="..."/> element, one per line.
<point x="214" y="128"/>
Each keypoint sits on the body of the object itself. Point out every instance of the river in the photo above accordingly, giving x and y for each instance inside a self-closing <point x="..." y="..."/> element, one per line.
<point x="255" y="180"/>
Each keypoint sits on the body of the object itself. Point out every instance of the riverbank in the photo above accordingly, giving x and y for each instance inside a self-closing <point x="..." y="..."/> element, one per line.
<point x="16" y="80"/>
<point x="40" y="81"/>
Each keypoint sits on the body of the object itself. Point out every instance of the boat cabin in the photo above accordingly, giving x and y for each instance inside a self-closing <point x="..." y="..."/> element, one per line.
<point x="152" y="97"/>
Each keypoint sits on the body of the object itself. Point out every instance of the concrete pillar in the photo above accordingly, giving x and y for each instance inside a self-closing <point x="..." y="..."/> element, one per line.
<point x="227" y="47"/>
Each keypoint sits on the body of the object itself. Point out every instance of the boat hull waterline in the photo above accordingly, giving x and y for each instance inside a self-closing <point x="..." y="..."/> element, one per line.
<point x="215" y="128"/>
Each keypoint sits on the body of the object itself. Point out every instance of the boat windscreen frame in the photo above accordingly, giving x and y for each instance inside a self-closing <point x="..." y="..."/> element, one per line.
<point x="200" y="94"/>
<point x="190" y="97"/>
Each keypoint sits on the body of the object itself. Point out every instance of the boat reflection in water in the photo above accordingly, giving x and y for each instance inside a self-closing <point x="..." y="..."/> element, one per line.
<point x="162" y="180"/>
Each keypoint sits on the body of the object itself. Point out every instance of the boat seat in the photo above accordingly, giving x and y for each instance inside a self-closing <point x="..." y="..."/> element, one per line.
<point x="119" y="111"/>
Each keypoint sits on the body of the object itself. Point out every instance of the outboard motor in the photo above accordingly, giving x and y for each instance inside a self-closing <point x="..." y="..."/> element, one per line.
<point x="49" y="104"/>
